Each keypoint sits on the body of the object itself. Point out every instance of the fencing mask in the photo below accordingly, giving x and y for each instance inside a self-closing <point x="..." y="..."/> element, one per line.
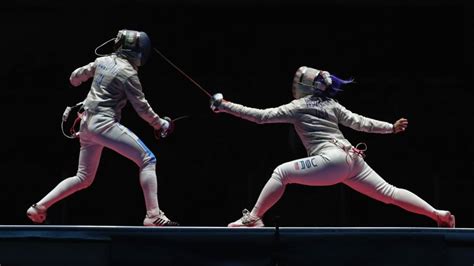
<point x="134" y="45"/>
<point x="311" y="81"/>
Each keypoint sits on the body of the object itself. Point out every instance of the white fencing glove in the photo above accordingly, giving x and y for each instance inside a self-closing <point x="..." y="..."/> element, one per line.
<point x="166" y="128"/>
<point x="215" y="101"/>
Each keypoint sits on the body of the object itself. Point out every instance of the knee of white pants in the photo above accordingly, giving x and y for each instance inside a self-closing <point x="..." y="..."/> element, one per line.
<point x="148" y="165"/>
<point x="388" y="191"/>
<point x="146" y="161"/>
<point x="85" y="180"/>
<point x="279" y="175"/>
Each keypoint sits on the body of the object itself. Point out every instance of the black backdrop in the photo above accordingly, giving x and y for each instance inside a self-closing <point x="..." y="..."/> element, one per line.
<point x="409" y="60"/>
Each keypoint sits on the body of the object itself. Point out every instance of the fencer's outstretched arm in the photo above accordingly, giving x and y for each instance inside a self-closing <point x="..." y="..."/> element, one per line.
<point x="289" y="112"/>
<point x="365" y="124"/>
<point x="137" y="98"/>
<point x="281" y="114"/>
<point x="82" y="74"/>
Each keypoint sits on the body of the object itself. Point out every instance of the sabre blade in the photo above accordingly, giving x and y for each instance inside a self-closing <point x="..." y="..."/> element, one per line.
<point x="182" y="72"/>
<point x="181" y="117"/>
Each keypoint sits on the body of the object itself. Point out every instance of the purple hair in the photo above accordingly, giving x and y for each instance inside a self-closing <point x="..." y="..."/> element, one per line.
<point x="335" y="88"/>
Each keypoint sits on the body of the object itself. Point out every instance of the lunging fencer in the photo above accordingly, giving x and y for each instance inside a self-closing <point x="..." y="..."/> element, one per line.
<point x="115" y="82"/>
<point x="332" y="159"/>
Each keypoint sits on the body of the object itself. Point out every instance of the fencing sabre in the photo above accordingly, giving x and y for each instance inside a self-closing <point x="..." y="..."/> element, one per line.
<point x="184" y="74"/>
<point x="163" y="134"/>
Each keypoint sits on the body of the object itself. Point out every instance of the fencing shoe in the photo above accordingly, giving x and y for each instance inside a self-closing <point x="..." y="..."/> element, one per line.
<point x="158" y="220"/>
<point x="445" y="219"/>
<point x="36" y="213"/>
<point x="247" y="220"/>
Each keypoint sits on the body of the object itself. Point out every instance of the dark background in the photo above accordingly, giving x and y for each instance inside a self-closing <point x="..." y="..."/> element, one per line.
<point x="410" y="60"/>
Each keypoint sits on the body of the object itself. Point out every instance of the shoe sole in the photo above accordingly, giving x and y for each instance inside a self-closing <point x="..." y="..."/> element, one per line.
<point x="238" y="225"/>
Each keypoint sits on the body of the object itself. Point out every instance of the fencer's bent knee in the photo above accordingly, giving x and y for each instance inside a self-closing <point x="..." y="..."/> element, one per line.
<point x="388" y="193"/>
<point x="85" y="179"/>
<point x="148" y="165"/>
<point x="279" y="175"/>
<point x="148" y="161"/>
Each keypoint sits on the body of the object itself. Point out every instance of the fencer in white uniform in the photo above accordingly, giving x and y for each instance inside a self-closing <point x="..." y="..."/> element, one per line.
<point x="115" y="82"/>
<point x="332" y="159"/>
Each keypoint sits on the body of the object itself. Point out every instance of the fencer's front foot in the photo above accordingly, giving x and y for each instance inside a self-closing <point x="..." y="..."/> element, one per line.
<point x="158" y="220"/>
<point x="247" y="220"/>
<point x="445" y="219"/>
<point x="36" y="213"/>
